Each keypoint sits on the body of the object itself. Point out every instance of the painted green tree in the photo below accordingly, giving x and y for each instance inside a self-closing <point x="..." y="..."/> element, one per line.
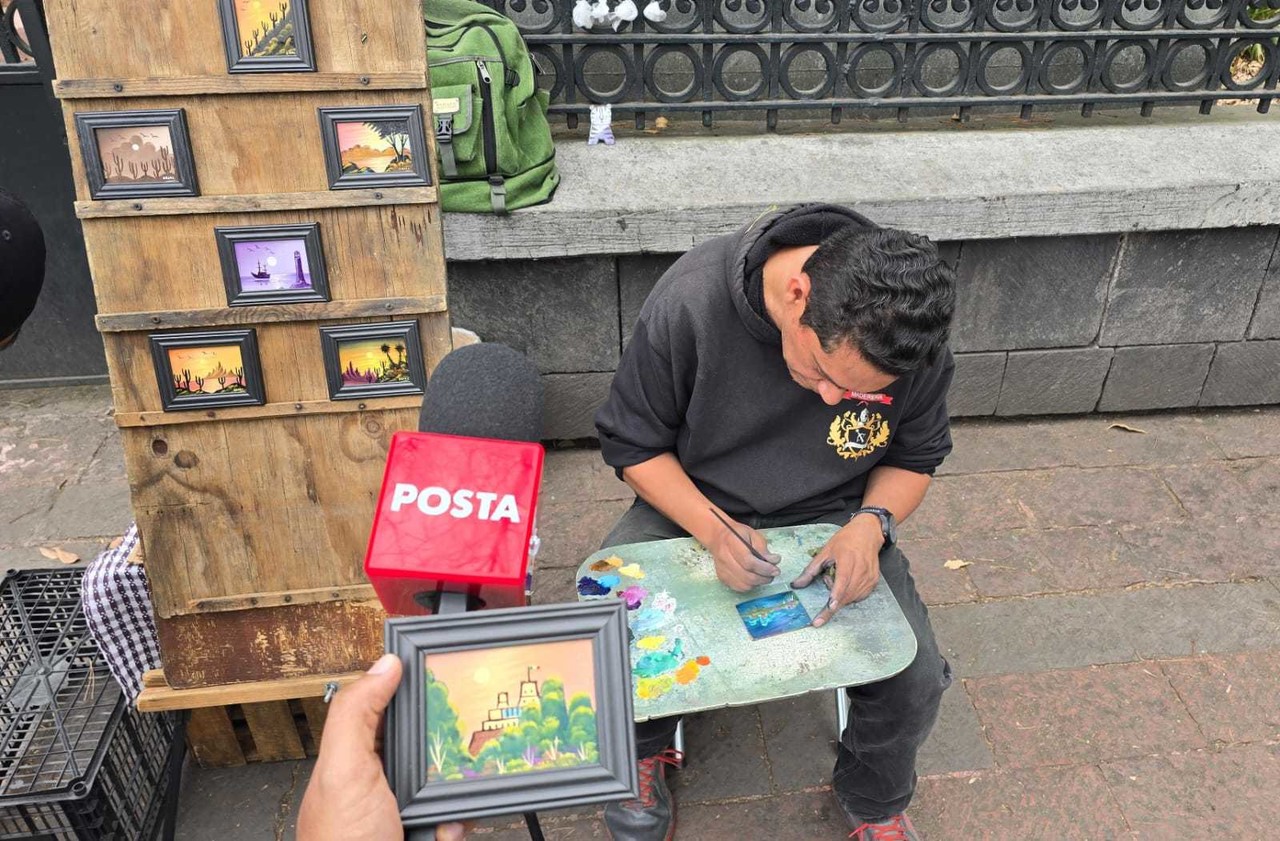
<point x="445" y="753"/>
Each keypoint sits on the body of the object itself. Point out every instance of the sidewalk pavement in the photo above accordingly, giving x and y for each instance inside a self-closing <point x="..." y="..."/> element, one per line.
<point x="1115" y="630"/>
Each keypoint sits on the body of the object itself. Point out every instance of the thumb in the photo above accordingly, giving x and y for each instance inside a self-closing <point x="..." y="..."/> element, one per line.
<point x="811" y="571"/>
<point x="352" y="724"/>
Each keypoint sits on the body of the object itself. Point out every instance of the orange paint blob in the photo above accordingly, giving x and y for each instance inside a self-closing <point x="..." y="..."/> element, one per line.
<point x="687" y="673"/>
<point x="704" y="661"/>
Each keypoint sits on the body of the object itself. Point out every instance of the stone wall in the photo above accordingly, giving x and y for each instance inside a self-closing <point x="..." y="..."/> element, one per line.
<point x="1044" y="325"/>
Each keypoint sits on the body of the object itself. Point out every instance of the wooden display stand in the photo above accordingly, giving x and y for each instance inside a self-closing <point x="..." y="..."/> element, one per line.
<point x="254" y="518"/>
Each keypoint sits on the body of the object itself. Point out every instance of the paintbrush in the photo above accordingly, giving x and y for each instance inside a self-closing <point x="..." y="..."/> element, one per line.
<point x="754" y="550"/>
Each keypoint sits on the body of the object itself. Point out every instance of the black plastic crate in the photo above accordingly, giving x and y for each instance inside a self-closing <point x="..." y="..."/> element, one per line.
<point x="76" y="760"/>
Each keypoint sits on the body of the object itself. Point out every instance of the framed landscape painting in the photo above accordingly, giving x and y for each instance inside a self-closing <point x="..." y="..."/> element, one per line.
<point x="136" y="154"/>
<point x="272" y="264"/>
<point x="373" y="360"/>
<point x="375" y="147"/>
<point x="208" y="369"/>
<point x="266" y="36"/>
<point x="511" y="711"/>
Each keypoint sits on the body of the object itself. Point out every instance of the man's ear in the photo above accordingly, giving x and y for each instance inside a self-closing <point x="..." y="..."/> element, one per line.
<point x="797" y="290"/>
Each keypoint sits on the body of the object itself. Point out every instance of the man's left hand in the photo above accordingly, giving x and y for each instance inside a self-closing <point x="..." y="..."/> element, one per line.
<point x="855" y="552"/>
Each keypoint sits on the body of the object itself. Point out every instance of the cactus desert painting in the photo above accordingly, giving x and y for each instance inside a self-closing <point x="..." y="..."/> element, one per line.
<point x="207" y="370"/>
<point x="266" y="28"/>
<point x="137" y="155"/>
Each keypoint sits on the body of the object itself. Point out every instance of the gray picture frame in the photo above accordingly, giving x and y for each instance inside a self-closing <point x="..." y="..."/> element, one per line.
<point x="405" y="331"/>
<point x="419" y="176"/>
<point x="238" y="62"/>
<point x="238" y="296"/>
<point x="254" y="393"/>
<point x="413" y="639"/>
<point x="175" y="120"/>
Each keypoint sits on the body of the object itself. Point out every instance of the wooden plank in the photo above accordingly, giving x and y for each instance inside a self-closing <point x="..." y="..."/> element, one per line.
<point x="212" y="738"/>
<point x="247" y="83"/>
<point x="164" y="698"/>
<point x="353" y="592"/>
<point x="229" y="316"/>
<point x="301" y="200"/>
<point x="95" y="39"/>
<point x="275" y="736"/>
<point x="271" y="643"/>
<point x="317" y="713"/>
<point x="153" y="677"/>
<point x="269" y="410"/>
<point x="382" y="252"/>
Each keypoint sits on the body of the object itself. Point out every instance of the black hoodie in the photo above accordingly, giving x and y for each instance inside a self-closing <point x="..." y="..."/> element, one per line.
<point x="703" y="377"/>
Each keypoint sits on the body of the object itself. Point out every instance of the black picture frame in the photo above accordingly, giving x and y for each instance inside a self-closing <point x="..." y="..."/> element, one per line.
<point x="418" y="176"/>
<point x="414" y="639"/>
<point x="238" y="62"/>
<point x="175" y="401"/>
<point x="88" y="124"/>
<point x="405" y="332"/>
<point x="237" y="296"/>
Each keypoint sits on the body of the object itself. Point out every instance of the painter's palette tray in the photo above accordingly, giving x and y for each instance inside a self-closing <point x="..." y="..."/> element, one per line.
<point x="690" y="650"/>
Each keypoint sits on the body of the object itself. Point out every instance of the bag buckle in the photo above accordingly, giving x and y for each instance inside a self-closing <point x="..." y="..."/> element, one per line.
<point x="498" y="193"/>
<point x="444" y="128"/>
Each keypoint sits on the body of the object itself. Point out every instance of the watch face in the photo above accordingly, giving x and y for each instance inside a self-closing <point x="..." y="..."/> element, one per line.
<point x="891" y="528"/>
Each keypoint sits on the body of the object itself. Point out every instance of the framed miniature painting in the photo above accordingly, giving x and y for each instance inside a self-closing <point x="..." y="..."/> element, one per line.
<point x="510" y="711"/>
<point x="136" y="154"/>
<point x="208" y="369"/>
<point x="272" y="264"/>
<point x="266" y="36"/>
<point x="373" y="360"/>
<point x="374" y="147"/>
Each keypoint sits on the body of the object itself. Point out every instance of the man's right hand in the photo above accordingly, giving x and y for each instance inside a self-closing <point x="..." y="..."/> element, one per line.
<point x="736" y="567"/>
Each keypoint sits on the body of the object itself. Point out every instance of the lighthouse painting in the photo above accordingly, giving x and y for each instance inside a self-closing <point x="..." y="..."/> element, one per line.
<point x="272" y="264"/>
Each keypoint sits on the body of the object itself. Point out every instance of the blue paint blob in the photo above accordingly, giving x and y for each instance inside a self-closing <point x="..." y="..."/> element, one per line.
<point x="648" y="619"/>
<point x="659" y="662"/>
<point x="588" y="586"/>
<point x="609" y="581"/>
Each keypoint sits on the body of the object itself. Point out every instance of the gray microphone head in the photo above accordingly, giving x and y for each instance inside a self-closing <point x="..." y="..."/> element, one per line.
<point x="484" y="391"/>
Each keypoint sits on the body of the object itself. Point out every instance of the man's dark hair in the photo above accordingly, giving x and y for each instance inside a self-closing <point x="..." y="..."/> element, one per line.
<point x="885" y="291"/>
<point x="21" y="263"/>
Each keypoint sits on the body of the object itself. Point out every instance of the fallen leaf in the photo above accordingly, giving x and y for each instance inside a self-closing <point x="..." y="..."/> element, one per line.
<point x="61" y="555"/>
<point x="661" y="123"/>
<point x="956" y="563"/>
<point x="1127" y="428"/>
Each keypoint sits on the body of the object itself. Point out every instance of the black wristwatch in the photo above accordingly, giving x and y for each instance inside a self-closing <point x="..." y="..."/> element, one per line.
<point x="888" y="527"/>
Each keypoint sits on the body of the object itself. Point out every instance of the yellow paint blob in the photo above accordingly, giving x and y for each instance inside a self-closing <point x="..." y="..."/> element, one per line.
<point x="650" y="688"/>
<point x="688" y="673"/>
<point x="632" y="571"/>
<point x="651" y="643"/>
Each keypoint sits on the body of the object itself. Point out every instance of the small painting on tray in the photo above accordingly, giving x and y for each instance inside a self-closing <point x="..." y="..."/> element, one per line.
<point x="373" y="360"/>
<point x="272" y="264"/>
<point x="134" y="154"/>
<point x="374" y="147"/>
<point x="207" y="369"/>
<point x="769" y="616"/>
<point x="266" y="36"/>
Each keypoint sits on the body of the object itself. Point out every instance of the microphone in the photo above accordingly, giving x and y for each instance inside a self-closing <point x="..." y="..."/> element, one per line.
<point x="455" y="519"/>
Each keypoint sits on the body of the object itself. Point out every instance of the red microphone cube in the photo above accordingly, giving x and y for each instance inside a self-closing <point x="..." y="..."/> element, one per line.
<point x="455" y="514"/>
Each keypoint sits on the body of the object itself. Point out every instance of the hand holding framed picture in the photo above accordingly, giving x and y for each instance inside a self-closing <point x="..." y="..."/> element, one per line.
<point x="510" y="711"/>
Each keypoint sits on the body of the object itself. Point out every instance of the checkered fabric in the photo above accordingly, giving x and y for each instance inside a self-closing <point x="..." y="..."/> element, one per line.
<point x="118" y="608"/>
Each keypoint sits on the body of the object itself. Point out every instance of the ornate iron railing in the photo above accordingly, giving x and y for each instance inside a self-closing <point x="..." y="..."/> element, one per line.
<point x="20" y="27"/>
<point x="845" y="56"/>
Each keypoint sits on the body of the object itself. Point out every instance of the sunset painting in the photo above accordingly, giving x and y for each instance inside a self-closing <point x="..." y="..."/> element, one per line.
<point x="511" y="710"/>
<point x="136" y="154"/>
<point x="367" y="361"/>
<point x="265" y="28"/>
<point x="207" y="370"/>
<point x="375" y="147"/>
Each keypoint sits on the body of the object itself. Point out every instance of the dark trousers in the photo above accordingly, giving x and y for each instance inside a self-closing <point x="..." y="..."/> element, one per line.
<point x="875" y="772"/>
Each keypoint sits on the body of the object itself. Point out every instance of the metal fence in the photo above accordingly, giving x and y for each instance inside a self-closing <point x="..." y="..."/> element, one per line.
<point x="718" y="57"/>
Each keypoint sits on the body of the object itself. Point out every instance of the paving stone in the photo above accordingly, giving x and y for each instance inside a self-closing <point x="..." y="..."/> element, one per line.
<point x="570" y="531"/>
<point x="975" y="389"/>
<point x="1065" y="804"/>
<point x="36" y="452"/>
<point x="804" y="816"/>
<point x="29" y="557"/>
<point x="1186" y="286"/>
<point x="101" y="510"/>
<point x="1185" y="621"/>
<point x="1033" y="292"/>
<point x="934" y="582"/>
<point x="976" y="503"/>
<point x="637" y="275"/>
<point x="570" y="402"/>
<point x="1029" y="562"/>
<point x="1232" y="697"/>
<point x="800" y="737"/>
<point x="1192" y="551"/>
<point x="1082" y="715"/>
<point x="1053" y="382"/>
<point x="1243" y="374"/>
<point x="563" y="313"/>
<point x="56" y="403"/>
<point x="1243" y="433"/>
<point x="218" y="804"/>
<point x="1266" y="315"/>
<point x="1030" y="635"/>
<point x="1102" y="496"/>
<point x="725" y="756"/>
<point x="580" y="476"/>
<point x="1209" y="491"/>
<point x="24" y="516"/>
<point x="107" y="464"/>
<point x="1155" y="377"/>
<point x="554" y="586"/>
<point x="1002" y="564"/>
<point x="957" y="742"/>
<point x="1208" y="794"/>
